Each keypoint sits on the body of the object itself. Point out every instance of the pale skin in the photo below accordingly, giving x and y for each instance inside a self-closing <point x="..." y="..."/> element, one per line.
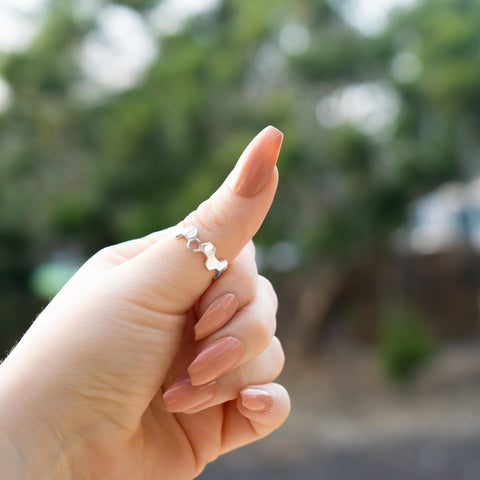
<point x="100" y="386"/>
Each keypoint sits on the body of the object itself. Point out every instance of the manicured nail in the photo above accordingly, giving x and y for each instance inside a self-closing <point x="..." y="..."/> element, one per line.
<point x="183" y="396"/>
<point x="256" y="164"/>
<point x="216" y="315"/>
<point x="256" y="400"/>
<point x="218" y="358"/>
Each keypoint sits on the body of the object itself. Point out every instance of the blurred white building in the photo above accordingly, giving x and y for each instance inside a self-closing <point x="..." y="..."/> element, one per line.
<point x="448" y="218"/>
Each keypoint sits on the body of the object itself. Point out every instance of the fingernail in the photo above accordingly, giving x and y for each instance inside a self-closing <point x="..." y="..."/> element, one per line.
<point x="216" y="315"/>
<point x="183" y="396"/>
<point x="217" y="359"/>
<point x="256" y="164"/>
<point x="256" y="400"/>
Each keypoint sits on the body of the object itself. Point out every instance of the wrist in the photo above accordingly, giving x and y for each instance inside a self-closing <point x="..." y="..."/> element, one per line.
<point x="12" y="462"/>
<point x="31" y="447"/>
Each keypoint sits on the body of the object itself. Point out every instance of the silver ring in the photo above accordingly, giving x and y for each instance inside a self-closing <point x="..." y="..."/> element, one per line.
<point x="196" y="246"/>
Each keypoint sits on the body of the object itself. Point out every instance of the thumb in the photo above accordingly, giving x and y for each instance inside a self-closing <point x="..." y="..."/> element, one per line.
<point x="169" y="270"/>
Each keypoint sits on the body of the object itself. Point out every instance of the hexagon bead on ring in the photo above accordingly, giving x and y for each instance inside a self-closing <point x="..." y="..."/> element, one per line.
<point x="196" y="246"/>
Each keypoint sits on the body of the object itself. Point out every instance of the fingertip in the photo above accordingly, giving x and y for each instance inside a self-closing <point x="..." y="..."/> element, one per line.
<point x="256" y="399"/>
<point x="257" y="163"/>
<point x="266" y="406"/>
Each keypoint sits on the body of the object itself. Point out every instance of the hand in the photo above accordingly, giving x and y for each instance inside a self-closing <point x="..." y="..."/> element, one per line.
<point x="142" y="367"/>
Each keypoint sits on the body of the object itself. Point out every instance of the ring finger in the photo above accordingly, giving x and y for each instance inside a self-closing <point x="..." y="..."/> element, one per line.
<point x="182" y="396"/>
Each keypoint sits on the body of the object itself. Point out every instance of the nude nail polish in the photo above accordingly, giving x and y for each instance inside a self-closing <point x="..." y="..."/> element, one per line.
<point x="256" y="400"/>
<point x="217" y="359"/>
<point x="257" y="162"/>
<point x="183" y="396"/>
<point x="216" y="315"/>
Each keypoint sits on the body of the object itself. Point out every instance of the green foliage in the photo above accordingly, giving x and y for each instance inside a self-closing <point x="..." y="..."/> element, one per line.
<point x="89" y="171"/>
<point x="405" y="343"/>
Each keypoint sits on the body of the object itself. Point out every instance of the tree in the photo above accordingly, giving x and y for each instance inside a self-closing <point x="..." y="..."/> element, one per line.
<point x="370" y="123"/>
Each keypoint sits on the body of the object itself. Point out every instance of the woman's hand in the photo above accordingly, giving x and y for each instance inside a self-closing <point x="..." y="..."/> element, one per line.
<point x="142" y="367"/>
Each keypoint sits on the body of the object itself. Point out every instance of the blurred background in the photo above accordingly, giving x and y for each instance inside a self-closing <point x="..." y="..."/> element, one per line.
<point x="117" y="119"/>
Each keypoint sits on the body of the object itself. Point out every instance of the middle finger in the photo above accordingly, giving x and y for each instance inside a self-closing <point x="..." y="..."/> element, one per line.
<point x="244" y="337"/>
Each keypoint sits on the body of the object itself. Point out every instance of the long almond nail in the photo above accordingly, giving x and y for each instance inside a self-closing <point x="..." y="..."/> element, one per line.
<point x="216" y="315"/>
<point x="183" y="396"/>
<point x="256" y="164"/>
<point x="217" y="359"/>
<point x="256" y="400"/>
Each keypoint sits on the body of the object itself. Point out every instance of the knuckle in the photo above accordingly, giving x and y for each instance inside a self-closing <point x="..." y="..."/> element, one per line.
<point x="216" y="223"/>
<point x="209" y="220"/>
<point x="249" y="281"/>
<point x="105" y="254"/>
<point x="270" y="291"/>
<point x="264" y="330"/>
<point x="214" y="216"/>
<point x="246" y="260"/>
<point x="242" y="280"/>
<point x="243" y="375"/>
<point x="278" y="356"/>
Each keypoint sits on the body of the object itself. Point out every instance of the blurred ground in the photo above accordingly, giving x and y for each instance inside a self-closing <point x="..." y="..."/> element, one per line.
<point x="348" y="423"/>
